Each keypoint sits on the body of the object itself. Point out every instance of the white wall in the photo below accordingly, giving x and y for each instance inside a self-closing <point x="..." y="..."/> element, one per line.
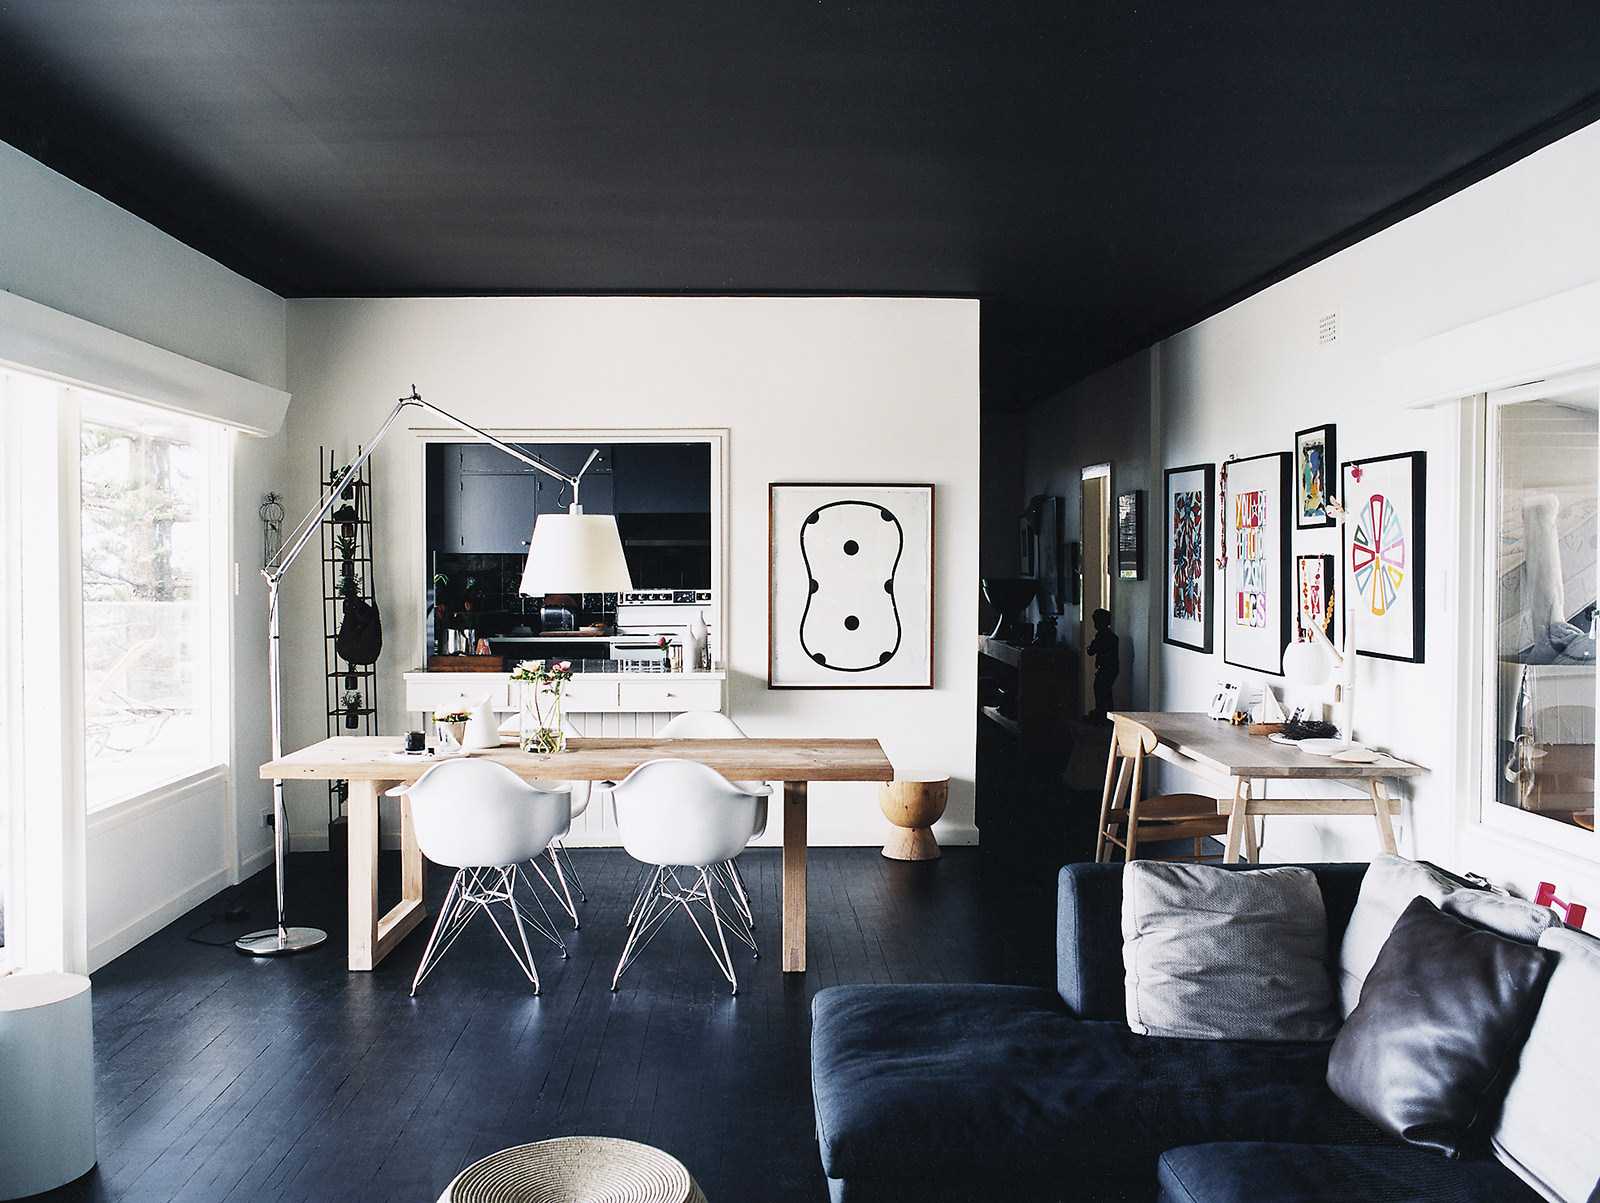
<point x="63" y="246"/>
<point x="1244" y="381"/>
<point x="810" y="389"/>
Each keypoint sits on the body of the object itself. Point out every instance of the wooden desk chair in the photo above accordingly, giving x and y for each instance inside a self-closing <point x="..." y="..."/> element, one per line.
<point x="1127" y="817"/>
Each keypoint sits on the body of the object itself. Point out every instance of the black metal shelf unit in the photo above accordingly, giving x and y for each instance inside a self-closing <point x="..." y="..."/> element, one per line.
<point x="352" y="689"/>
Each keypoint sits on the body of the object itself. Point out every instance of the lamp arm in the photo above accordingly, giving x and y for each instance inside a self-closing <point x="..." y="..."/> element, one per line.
<point x="1318" y="635"/>
<point x="297" y="539"/>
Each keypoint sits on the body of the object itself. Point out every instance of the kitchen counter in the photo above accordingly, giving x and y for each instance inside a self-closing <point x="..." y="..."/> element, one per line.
<point x="616" y="693"/>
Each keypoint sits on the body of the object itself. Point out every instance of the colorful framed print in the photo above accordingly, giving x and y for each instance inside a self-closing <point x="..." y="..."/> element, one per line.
<point x="1189" y="525"/>
<point x="850" y="602"/>
<point x="1256" y="581"/>
<point x="1314" y="594"/>
<point x="1315" y="454"/>
<point x="1385" y="500"/>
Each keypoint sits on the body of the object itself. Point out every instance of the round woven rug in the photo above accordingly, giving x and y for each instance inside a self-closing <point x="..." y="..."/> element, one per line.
<point x="575" y="1169"/>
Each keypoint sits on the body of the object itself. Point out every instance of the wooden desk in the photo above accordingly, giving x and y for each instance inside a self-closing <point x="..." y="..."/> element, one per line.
<point x="368" y="763"/>
<point x="1230" y="757"/>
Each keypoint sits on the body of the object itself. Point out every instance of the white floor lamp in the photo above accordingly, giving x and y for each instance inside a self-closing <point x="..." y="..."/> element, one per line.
<point x="567" y="553"/>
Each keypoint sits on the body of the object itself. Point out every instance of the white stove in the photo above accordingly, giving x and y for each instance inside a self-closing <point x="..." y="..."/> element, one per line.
<point x="645" y="615"/>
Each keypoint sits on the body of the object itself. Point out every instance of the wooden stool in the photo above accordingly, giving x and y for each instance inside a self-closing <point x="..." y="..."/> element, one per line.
<point x="913" y="805"/>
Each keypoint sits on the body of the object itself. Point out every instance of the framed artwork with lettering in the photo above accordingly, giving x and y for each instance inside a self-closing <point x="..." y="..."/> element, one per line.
<point x="1385" y="506"/>
<point x="1191" y="547"/>
<point x="850" y="586"/>
<point x="1256" y="611"/>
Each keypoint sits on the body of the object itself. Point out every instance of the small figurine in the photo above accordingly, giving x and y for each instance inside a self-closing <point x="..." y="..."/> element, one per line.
<point x="1105" y="647"/>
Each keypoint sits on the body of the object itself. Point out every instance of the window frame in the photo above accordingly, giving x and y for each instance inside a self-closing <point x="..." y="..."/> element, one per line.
<point x="1492" y="815"/>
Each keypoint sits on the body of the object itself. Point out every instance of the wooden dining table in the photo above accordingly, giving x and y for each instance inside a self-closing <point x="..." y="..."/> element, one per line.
<point x="373" y="764"/>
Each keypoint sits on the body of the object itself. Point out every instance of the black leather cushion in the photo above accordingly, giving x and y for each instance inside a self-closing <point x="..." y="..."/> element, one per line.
<point x="1427" y="1053"/>
<point x="1287" y="1173"/>
<point x="963" y="1080"/>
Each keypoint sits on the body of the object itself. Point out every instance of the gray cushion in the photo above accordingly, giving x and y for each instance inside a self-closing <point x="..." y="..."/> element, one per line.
<point x="1215" y="955"/>
<point x="1387" y="889"/>
<point x="1513" y="918"/>
<point x="1548" y="1128"/>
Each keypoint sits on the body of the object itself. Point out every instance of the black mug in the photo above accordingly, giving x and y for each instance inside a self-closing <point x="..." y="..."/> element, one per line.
<point x="416" y="741"/>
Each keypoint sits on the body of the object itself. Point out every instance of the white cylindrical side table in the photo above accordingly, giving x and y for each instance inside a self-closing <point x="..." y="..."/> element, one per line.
<point x="47" y="1067"/>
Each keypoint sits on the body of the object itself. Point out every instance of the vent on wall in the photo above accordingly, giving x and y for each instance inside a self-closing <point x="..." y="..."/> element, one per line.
<point x="1328" y="328"/>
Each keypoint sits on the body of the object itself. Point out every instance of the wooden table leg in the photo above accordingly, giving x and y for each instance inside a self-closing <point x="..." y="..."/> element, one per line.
<point x="373" y="937"/>
<point x="1238" y="818"/>
<point x="794" y="876"/>
<point x="1380" y="810"/>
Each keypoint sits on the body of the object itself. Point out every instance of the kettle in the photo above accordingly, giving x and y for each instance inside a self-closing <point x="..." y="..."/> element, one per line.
<point x="482" y="730"/>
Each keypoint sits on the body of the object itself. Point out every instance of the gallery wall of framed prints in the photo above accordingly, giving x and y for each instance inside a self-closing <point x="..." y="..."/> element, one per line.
<point x="1257" y="582"/>
<point x="1189" y="523"/>
<point x="1385" y="498"/>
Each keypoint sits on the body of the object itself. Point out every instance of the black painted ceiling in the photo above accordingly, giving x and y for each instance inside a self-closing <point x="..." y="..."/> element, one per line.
<point x="1099" y="174"/>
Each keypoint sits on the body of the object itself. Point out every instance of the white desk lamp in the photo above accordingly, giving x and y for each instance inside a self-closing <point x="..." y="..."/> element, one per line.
<point x="1317" y="661"/>
<point x="567" y="553"/>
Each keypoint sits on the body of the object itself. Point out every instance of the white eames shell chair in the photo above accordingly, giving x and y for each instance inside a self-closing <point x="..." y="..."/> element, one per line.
<point x="481" y="819"/>
<point x="681" y="815"/>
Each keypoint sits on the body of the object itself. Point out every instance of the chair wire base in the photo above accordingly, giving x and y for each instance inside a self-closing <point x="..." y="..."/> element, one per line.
<point x="482" y="889"/>
<point x="664" y="892"/>
<point x="560" y="888"/>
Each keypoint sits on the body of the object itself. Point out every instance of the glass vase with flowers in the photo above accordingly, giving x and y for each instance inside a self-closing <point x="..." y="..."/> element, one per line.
<point x="540" y="728"/>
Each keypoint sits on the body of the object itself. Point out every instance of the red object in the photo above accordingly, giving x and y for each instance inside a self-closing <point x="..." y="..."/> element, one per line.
<point x="1572" y="912"/>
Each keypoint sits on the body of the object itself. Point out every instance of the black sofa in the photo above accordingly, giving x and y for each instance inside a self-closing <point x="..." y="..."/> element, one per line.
<point x="934" y="1093"/>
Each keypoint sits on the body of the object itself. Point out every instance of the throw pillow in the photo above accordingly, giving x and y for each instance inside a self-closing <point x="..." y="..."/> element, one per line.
<point x="1548" y="1126"/>
<point x="1219" y="954"/>
<point x="1428" y="1052"/>
<point x="1514" y="918"/>
<point x="1388" y="887"/>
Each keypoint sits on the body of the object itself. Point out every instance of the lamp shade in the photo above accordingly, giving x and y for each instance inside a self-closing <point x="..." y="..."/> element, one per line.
<point x="1307" y="664"/>
<point x="575" y="553"/>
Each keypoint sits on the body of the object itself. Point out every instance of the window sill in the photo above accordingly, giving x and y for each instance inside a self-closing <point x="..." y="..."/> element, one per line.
<point x="1564" y="847"/>
<point x="168" y="793"/>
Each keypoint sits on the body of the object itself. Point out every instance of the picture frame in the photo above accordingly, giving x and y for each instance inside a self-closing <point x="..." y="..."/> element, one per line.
<point x="1130" y="535"/>
<point x="1384" y="555"/>
<point x="1315" y="454"/>
<point x="1257" y="578"/>
<point x="1315" y="590"/>
<point x="850" y="585"/>
<point x="1189" y="526"/>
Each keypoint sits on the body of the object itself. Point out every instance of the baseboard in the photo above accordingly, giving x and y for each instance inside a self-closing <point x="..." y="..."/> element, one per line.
<point x="255" y="862"/>
<point x="105" y="951"/>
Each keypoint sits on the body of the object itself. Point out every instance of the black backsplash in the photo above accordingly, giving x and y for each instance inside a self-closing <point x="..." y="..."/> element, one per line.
<point x="490" y="582"/>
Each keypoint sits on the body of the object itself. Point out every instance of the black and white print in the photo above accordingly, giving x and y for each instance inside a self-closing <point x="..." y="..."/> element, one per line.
<point x="851" y="585"/>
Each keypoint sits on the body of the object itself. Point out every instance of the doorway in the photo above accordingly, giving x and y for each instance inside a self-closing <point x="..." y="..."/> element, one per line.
<point x="1095" y="524"/>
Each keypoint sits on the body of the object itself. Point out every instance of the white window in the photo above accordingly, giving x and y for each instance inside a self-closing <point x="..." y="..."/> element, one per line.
<point x="149" y="597"/>
<point x="10" y="700"/>
<point x="1542" y="581"/>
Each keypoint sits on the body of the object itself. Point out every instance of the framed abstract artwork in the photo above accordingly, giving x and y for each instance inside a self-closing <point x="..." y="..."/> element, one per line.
<point x="850" y="585"/>
<point x="1189" y="524"/>
<point x="1256" y="581"/>
<point x="1385" y="500"/>
<point x="1315" y="454"/>
<point x="1314" y="594"/>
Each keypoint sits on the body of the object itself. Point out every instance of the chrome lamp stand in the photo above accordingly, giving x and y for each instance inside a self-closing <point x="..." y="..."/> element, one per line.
<point x="284" y="940"/>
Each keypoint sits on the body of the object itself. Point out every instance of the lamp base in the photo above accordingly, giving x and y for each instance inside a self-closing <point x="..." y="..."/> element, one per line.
<point x="280" y="942"/>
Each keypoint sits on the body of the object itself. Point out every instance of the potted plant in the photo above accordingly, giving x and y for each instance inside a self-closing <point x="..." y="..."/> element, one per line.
<point x="540" y="728"/>
<point x="453" y="727"/>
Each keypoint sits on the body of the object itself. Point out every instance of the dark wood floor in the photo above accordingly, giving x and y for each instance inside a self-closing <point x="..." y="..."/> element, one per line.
<point x="225" y="1078"/>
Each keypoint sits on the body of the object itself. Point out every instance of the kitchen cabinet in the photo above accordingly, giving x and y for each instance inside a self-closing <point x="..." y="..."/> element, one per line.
<point x="483" y="500"/>
<point x="662" y="478"/>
